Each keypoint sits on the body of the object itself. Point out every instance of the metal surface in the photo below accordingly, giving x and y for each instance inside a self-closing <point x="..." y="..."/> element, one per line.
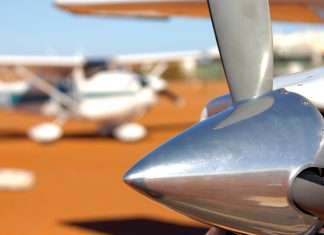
<point x="215" y="106"/>
<point x="234" y="170"/>
<point x="308" y="192"/>
<point x="307" y="83"/>
<point x="244" y="38"/>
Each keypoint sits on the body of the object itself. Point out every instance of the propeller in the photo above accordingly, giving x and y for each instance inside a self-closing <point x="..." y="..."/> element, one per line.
<point x="308" y="192"/>
<point x="160" y="85"/>
<point x="179" y="101"/>
<point x="244" y="38"/>
<point x="236" y="170"/>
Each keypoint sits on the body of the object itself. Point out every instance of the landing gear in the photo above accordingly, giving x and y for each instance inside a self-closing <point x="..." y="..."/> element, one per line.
<point x="129" y="132"/>
<point x="16" y="179"/>
<point x="45" y="133"/>
<point x="105" y="130"/>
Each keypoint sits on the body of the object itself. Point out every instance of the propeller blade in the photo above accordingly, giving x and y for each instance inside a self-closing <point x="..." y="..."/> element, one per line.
<point x="244" y="37"/>
<point x="179" y="101"/>
<point x="308" y="192"/>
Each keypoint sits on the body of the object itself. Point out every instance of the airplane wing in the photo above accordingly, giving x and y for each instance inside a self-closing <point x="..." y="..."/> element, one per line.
<point x="64" y="64"/>
<point x="166" y="57"/>
<point x="40" y="64"/>
<point x="282" y="10"/>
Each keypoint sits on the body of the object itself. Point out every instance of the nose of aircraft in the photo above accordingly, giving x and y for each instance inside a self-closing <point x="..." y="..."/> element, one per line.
<point x="158" y="173"/>
<point x="154" y="175"/>
<point x="171" y="173"/>
<point x="135" y="177"/>
<point x="231" y="164"/>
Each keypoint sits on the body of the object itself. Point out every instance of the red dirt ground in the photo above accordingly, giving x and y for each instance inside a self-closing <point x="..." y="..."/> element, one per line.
<point x="79" y="188"/>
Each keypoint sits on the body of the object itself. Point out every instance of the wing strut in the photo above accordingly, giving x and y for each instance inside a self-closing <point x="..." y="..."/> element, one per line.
<point x="50" y="90"/>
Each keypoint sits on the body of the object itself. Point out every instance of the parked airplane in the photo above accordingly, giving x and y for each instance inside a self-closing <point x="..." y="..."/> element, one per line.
<point x="257" y="166"/>
<point x="111" y="97"/>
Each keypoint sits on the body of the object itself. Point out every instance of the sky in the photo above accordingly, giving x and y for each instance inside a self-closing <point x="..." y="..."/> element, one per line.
<point x="37" y="27"/>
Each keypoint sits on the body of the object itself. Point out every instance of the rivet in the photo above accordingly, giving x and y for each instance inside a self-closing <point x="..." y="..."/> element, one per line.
<point x="305" y="102"/>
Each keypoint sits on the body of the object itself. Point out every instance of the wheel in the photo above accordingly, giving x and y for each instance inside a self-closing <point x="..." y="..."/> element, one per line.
<point x="45" y="133"/>
<point x="129" y="132"/>
<point x="16" y="179"/>
<point x="105" y="130"/>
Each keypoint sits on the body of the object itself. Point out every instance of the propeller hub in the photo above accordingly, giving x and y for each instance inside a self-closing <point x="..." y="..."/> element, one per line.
<point x="235" y="169"/>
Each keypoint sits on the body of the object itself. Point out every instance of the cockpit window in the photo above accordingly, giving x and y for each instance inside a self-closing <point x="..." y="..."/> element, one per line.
<point x="143" y="81"/>
<point x="94" y="66"/>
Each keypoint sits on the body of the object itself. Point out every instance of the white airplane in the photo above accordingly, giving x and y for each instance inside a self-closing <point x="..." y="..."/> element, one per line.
<point x="255" y="167"/>
<point x="113" y="98"/>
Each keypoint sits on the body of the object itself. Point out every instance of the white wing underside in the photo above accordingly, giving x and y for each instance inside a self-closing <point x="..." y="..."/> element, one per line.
<point x="58" y="64"/>
<point x="42" y="63"/>
<point x="281" y="10"/>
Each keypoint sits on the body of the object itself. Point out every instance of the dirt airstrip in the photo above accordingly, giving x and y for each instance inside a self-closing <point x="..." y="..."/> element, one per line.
<point x="79" y="188"/>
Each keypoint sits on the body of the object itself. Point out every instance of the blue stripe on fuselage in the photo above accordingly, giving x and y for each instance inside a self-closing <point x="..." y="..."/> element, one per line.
<point x="107" y="94"/>
<point x="9" y="100"/>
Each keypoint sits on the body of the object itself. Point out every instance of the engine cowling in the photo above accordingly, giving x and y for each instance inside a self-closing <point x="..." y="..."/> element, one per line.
<point x="237" y="169"/>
